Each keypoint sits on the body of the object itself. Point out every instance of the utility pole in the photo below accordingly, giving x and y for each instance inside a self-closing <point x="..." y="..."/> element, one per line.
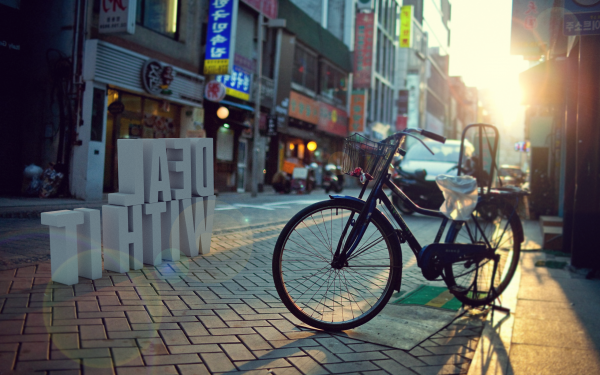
<point x="256" y="143"/>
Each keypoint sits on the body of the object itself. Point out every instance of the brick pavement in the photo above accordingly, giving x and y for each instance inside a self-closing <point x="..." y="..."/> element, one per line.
<point x="213" y="314"/>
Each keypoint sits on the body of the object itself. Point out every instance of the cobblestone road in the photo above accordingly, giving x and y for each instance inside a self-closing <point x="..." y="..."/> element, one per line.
<point x="214" y="314"/>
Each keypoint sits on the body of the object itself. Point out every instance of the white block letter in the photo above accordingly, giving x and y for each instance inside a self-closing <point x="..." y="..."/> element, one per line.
<point x="131" y="173"/>
<point x="157" y="186"/>
<point x="152" y="232"/>
<point x="196" y="228"/>
<point x="180" y="167"/>
<point x="63" y="244"/>
<point x="170" y="231"/>
<point x="122" y="237"/>
<point x="89" y="244"/>
<point x="203" y="182"/>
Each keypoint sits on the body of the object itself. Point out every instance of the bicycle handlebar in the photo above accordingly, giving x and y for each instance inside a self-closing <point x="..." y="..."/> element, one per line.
<point x="435" y="137"/>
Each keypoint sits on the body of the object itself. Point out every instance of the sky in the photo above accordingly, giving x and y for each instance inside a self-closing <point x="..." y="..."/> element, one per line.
<point x="480" y="51"/>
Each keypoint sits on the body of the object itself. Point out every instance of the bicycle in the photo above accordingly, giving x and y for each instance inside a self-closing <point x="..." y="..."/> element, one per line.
<point x="336" y="263"/>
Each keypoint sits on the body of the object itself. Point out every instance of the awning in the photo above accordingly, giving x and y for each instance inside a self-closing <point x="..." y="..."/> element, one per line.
<point x="544" y="83"/>
<point x="237" y="105"/>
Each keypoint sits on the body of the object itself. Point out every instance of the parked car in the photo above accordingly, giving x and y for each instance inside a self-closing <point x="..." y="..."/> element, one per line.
<point x="511" y="175"/>
<point x="417" y="171"/>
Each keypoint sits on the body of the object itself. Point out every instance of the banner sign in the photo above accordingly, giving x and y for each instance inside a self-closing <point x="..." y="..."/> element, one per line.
<point x="402" y="101"/>
<point x="164" y="207"/>
<point x="269" y="8"/>
<point x="401" y="122"/>
<point x="332" y="120"/>
<point x="303" y="108"/>
<point x="358" y="111"/>
<point x="363" y="50"/>
<point x="117" y="17"/>
<point x="582" y="17"/>
<point x="530" y="28"/>
<point x="220" y="36"/>
<point x="406" y="22"/>
<point x="237" y="84"/>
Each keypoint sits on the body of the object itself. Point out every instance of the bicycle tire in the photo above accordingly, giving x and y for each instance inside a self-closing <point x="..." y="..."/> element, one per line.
<point x="503" y="229"/>
<point x="301" y="264"/>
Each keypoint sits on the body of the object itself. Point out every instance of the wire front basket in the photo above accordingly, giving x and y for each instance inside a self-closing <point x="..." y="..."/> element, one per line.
<point x="370" y="156"/>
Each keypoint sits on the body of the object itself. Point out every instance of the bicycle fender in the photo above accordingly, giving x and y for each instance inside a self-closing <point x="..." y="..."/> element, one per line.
<point x="346" y="197"/>
<point x="393" y="239"/>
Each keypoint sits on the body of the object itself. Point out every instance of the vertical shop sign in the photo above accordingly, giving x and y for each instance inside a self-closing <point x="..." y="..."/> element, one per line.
<point x="269" y="8"/>
<point x="303" y="108"/>
<point x="237" y="84"/>
<point x="401" y="122"/>
<point x="220" y="36"/>
<point x="363" y="50"/>
<point x="117" y="16"/>
<point x="358" y="111"/>
<point x="406" y="21"/>
<point x="530" y="28"/>
<point x="332" y="120"/>
<point x="582" y="17"/>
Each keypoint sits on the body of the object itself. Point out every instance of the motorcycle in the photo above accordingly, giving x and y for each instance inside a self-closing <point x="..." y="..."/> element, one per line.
<point x="303" y="180"/>
<point x="331" y="180"/>
<point x="424" y="193"/>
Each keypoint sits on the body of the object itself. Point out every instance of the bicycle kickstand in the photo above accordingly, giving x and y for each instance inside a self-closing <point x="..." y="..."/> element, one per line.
<point x="493" y="305"/>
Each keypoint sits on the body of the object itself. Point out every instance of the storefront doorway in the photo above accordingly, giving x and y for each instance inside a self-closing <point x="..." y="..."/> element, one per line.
<point x="242" y="165"/>
<point x="142" y="117"/>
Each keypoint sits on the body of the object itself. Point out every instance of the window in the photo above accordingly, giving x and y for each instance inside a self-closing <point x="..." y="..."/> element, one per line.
<point x="159" y="15"/>
<point x="333" y="83"/>
<point x="305" y="68"/>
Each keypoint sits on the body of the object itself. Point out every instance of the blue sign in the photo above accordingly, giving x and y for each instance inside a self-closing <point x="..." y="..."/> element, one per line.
<point x="582" y="17"/>
<point x="238" y="83"/>
<point x="220" y="36"/>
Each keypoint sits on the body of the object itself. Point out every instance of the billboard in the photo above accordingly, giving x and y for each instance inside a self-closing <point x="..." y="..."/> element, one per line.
<point x="332" y="120"/>
<point x="530" y="28"/>
<point x="363" y="50"/>
<point x="303" y="108"/>
<point x="220" y="37"/>
<point x="358" y="111"/>
<point x="406" y="17"/>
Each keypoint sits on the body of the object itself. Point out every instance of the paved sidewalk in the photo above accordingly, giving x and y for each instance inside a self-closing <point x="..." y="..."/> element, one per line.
<point x="217" y="313"/>
<point x="553" y="328"/>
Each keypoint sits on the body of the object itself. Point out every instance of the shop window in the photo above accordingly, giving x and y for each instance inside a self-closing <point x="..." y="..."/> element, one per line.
<point x="305" y="68"/>
<point x="161" y="16"/>
<point x="334" y="83"/>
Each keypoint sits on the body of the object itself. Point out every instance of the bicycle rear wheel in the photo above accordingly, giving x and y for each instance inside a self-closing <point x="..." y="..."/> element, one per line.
<point x="498" y="223"/>
<point x="320" y="295"/>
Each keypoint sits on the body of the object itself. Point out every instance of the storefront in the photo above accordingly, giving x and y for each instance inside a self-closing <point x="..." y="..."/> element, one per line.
<point x="129" y="95"/>
<point x="314" y="135"/>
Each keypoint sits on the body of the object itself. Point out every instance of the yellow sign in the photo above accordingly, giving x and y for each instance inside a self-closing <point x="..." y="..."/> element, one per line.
<point x="406" y="20"/>
<point x="216" y="66"/>
<point x="237" y="94"/>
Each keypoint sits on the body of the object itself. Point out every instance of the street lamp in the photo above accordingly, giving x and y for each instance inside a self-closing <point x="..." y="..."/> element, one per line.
<point x="311" y="146"/>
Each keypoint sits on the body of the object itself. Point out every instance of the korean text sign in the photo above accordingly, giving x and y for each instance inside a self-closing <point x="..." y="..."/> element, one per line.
<point x="358" y="111"/>
<point x="220" y="36"/>
<point x="406" y="16"/>
<point x="238" y="83"/>
<point x="117" y="17"/>
<point x="582" y="17"/>
<point x="363" y="50"/>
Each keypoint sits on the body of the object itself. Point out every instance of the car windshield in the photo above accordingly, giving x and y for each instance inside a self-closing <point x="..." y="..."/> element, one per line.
<point x="443" y="152"/>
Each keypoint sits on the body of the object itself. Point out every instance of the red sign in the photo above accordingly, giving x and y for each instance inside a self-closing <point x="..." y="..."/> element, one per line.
<point x="358" y="111"/>
<point x="215" y="91"/>
<point x="401" y="122"/>
<point x="332" y="120"/>
<point x="363" y="50"/>
<point x="269" y="7"/>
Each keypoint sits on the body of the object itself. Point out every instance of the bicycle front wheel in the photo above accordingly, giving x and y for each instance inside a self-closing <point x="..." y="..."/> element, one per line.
<point x="497" y="225"/>
<point x="317" y="293"/>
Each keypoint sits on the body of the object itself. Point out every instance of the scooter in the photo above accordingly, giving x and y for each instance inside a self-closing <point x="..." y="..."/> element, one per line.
<point x="331" y="180"/>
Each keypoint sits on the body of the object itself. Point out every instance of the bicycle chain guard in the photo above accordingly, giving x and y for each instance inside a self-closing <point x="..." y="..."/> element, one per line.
<point x="434" y="257"/>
